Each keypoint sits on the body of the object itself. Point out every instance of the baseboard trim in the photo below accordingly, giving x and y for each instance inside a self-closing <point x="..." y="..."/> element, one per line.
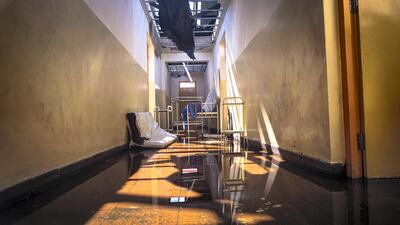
<point x="315" y="165"/>
<point x="31" y="187"/>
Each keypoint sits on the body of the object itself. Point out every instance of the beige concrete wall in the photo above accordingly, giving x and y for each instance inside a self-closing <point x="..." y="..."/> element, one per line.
<point x="279" y="65"/>
<point x="66" y="83"/>
<point x="125" y="19"/>
<point x="380" y="35"/>
<point x="334" y="80"/>
<point x="197" y="77"/>
<point x="162" y="86"/>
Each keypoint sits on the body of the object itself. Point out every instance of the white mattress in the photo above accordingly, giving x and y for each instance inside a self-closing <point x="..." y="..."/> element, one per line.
<point x="160" y="139"/>
<point x="156" y="136"/>
<point x="145" y="123"/>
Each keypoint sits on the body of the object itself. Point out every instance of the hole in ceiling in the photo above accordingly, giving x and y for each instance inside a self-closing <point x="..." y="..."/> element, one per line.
<point x="176" y="69"/>
<point x="207" y="15"/>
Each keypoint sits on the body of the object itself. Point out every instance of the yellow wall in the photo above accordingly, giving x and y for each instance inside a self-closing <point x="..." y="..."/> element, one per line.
<point x="151" y="60"/>
<point x="65" y="86"/>
<point x="334" y="80"/>
<point x="124" y="19"/>
<point x="279" y="64"/>
<point x="380" y="35"/>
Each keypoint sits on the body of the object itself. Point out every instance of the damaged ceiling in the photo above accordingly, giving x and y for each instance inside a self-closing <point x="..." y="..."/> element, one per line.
<point x="185" y="25"/>
<point x="176" y="69"/>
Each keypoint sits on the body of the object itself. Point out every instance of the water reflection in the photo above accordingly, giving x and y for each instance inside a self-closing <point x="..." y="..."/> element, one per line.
<point x="252" y="189"/>
<point x="218" y="184"/>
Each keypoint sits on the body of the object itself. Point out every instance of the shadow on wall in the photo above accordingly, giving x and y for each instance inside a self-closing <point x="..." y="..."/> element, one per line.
<point x="283" y="68"/>
<point x="263" y="122"/>
<point x="232" y="89"/>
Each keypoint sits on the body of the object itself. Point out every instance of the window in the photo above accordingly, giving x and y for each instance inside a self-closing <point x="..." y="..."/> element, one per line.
<point x="187" y="85"/>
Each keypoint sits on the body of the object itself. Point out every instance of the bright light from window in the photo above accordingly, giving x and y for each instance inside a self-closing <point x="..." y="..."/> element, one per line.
<point x="187" y="85"/>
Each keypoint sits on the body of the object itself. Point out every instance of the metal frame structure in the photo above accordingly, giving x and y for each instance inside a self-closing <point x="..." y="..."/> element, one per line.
<point x="208" y="19"/>
<point x="168" y="112"/>
<point x="203" y="115"/>
<point x="177" y="121"/>
<point x="233" y="104"/>
<point x="200" y="118"/>
<point x="176" y="68"/>
<point x="233" y="172"/>
<point x="233" y="157"/>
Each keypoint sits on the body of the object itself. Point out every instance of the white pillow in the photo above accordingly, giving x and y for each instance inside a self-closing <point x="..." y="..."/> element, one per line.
<point x="144" y="122"/>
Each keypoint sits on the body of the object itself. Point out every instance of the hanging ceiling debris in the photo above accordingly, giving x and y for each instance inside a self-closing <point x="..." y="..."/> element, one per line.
<point x="177" y="23"/>
<point x="200" y="23"/>
<point x="176" y="69"/>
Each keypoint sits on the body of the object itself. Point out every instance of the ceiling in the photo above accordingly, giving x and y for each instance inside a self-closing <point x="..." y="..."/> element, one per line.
<point x="176" y="69"/>
<point x="208" y="15"/>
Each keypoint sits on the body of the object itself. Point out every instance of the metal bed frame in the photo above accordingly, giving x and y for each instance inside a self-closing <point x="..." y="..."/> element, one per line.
<point x="224" y="125"/>
<point x="176" y="111"/>
<point x="168" y="112"/>
<point x="233" y="157"/>
<point x="203" y="115"/>
<point x="200" y="118"/>
<point x="233" y="104"/>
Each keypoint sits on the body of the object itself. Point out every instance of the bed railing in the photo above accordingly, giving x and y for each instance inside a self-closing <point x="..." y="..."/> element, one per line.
<point x="168" y="115"/>
<point x="204" y="115"/>
<point x="178" y="103"/>
<point x="233" y="115"/>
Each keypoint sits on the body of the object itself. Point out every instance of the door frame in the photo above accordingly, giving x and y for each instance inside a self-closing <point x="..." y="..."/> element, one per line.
<point x="353" y="109"/>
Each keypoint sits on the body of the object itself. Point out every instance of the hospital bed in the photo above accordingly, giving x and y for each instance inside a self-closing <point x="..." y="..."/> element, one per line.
<point x="197" y="113"/>
<point x="163" y="117"/>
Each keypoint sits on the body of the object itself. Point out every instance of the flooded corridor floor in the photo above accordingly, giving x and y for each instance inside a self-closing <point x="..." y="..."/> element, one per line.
<point x="206" y="182"/>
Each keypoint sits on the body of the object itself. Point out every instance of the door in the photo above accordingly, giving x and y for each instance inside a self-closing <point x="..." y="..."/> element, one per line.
<point x="352" y="90"/>
<point x="186" y="89"/>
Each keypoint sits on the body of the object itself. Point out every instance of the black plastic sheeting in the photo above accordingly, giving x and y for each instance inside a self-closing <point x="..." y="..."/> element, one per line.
<point x="177" y="23"/>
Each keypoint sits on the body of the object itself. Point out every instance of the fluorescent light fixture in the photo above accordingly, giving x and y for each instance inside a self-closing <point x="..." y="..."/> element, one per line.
<point x="187" y="72"/>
